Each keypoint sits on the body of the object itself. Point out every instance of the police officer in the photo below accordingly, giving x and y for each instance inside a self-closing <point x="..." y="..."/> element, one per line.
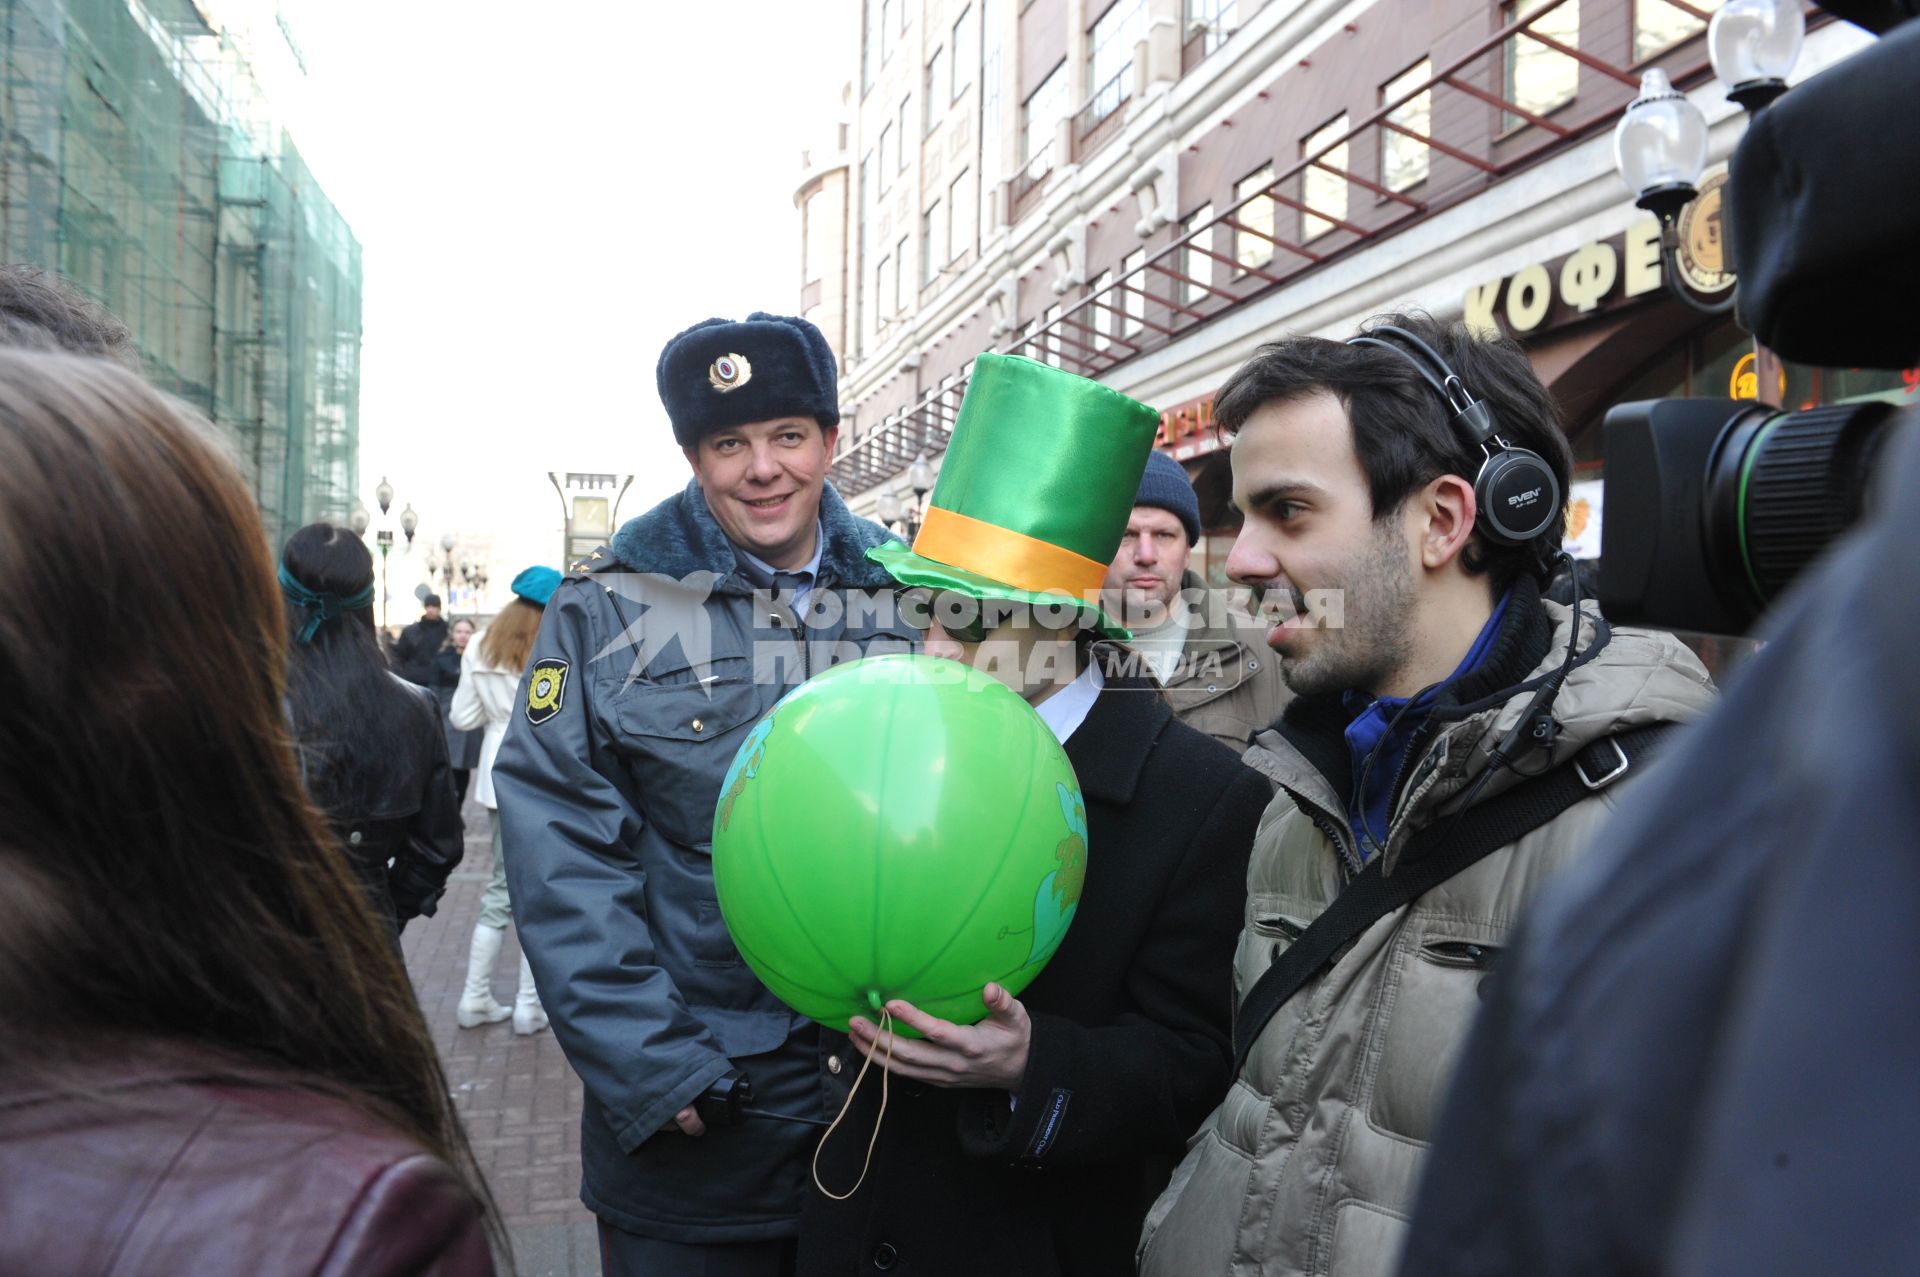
<point x="656" y="656"/>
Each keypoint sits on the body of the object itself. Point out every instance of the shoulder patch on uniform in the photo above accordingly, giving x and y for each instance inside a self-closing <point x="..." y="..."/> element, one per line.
<point x="546" y="684"/>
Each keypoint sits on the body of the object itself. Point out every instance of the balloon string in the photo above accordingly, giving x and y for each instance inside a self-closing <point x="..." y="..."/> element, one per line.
<point x="886" y="1030"/>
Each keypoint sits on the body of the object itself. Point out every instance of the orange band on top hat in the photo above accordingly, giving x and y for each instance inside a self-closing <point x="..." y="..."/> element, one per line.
<point x="1012" y="558"/>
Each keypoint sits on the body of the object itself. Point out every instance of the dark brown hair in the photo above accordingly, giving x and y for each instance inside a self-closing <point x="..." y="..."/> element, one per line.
<point x="508" y="641"/>
<point x="1402" y="430"/>
<point x="163" y="877"/>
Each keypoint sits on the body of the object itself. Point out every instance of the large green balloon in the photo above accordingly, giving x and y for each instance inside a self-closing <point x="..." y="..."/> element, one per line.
<point x="898" y="827"/>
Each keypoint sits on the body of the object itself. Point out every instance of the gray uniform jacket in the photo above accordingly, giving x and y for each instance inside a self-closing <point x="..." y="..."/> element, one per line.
<point x="650" y="668"/>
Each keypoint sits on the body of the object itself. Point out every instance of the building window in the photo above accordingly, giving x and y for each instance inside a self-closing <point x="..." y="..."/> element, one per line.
<point x="1324" y="189"/>
<point x="966" y="49"/>
<point x="1211" y="21"/>
<point x="933" y="243"/>
<point x="887" y="10"/>
<point x="887" y="164"/>
<point x="869" y="216"/>
<point x="1040" y="120"/>
<point x="900" y="276"/>
<point x="870" y="46"/>
<point x="1135" y="307"/>
<point x="1404" y="160"/>
<point x="991" y="115"/>
<point x="903" y="134"/>
<point x="1097" y="316"/>
<point x="886" y="295"/>
<point x="1110" y="55"/>
<point x="1195" y="264"/>
<point x="963" y="208"/>
<point x="935" y="98"/>
<point x="1658" y="26"/>
<point x="1253" y="247"/>
<point x="1541" y="79"/>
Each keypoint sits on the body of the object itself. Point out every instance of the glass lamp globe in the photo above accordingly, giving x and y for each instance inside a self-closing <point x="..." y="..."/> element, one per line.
<point x="358" y="519"/>
<point x="409" y="521"/>
<point x="920" y="474"/>
<point x="383" y="494"/>
<point x="1660" y="146"/>
<point x="1753" y="45"/>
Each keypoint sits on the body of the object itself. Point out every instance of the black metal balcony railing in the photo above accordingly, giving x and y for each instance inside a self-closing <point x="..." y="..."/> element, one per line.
<point x="1106" y="99"/>
<point x="1164" y="299"/>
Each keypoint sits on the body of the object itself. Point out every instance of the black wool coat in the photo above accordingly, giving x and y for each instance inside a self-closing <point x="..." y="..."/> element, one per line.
<point x="1130" y="1049"/>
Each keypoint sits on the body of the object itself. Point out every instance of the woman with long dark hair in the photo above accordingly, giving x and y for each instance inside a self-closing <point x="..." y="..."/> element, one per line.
<point x="371" y="746"/>
<point x="213" y="1060"/>
<point x="489" y="674"/>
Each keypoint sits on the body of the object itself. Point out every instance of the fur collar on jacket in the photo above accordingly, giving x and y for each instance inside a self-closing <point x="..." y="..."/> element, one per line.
<point x="680" y="537"/>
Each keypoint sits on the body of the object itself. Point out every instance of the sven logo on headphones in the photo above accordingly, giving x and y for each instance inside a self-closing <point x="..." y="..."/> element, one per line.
<point x="1511" y="481"/>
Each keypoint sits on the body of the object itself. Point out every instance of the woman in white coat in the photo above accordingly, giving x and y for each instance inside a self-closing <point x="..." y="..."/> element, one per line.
<point x="489" y="677"/>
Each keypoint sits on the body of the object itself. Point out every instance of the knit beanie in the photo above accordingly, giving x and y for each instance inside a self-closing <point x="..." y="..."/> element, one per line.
<point x="1165" y="484"/>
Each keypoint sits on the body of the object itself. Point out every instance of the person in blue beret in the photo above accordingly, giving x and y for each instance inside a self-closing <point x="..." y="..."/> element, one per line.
<point x="490" y="671"/>
<point x="658" y="653"/>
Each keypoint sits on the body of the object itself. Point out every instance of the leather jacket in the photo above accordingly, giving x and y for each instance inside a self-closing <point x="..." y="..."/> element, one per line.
<point x="168" y="1168"/>
<point x="403" y="836"/>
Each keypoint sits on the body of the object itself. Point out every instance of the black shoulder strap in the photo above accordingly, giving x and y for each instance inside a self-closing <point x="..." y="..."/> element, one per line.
<point x="1430" y="857"/>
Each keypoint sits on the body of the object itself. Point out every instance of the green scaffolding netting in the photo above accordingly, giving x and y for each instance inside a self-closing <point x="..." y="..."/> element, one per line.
<point x="139" y="158"/>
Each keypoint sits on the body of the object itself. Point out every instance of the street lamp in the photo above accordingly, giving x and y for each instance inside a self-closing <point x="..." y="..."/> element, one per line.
<point x="384" y="539"/>
<point x="920" y="479"/>
<point x="1753" y="45"/>
<point x="1660" y="144"/>
<point x="409" y="522"/>
<point x="446" y="542"/>
<point x="358" y="518"/>
<point x="889" y="507"/>
<point x="384" y="495"/>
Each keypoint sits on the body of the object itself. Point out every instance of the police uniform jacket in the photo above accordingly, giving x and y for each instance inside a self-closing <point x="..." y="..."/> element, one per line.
<point x="652" y="663"/>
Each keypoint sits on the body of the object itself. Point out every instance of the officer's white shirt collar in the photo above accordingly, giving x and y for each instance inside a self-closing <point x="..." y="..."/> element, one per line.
<point x="1067" y="708"/>
<point x="812" y="568"/>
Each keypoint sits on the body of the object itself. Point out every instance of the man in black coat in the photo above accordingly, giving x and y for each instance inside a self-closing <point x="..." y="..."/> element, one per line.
<point x="419" y="643"/>
<point x="1033" y="1141"/>
<point x="1128" y="1049"/>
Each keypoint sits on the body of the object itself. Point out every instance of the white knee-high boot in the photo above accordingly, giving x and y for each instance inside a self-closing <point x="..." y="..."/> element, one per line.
<point x="477" y="1006"/>
<point x="528" y="1015"/>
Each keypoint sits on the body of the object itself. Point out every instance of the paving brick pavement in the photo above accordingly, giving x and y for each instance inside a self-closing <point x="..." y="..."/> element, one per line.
<point x="520" y="1100"/>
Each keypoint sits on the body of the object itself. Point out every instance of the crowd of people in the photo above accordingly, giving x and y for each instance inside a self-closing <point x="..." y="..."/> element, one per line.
<point x="1314" y="829"/>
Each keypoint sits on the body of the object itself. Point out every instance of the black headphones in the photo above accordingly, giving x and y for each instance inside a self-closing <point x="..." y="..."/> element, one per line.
<point x="1517" y="493"/>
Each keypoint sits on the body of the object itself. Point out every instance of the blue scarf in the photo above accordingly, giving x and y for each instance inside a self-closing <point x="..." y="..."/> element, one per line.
<point x="1382" y="731"/>
<point x="323" y="606"/>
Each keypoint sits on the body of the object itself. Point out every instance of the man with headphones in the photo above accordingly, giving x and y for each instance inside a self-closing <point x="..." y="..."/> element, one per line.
<point x="1455" y="740"/>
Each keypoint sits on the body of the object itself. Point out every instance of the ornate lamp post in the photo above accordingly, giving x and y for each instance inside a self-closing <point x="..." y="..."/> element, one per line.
<point x="920" y="477"/>
<point x="384" y="539"/>
<point x="1660" y="144"/>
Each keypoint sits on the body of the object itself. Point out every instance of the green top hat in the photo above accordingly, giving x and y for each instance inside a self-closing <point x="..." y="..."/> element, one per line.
<point x="1035" y="492"/>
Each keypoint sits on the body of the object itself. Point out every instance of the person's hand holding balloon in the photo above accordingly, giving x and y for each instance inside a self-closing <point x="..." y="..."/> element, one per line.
<point x="991" y="1053"/>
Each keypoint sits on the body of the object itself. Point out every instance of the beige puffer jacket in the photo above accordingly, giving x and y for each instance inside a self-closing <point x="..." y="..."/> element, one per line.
<point x="1310" y="1164"/>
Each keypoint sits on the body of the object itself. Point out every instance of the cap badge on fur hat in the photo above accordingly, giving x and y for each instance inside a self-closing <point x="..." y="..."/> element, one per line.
<point x="729" y="372"/>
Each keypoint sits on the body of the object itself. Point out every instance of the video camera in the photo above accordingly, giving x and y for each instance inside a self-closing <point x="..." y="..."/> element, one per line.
<point x="1715" y="505"/>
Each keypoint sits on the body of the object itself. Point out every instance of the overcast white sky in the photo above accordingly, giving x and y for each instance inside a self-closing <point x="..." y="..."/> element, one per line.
<point x="545" y="194"/>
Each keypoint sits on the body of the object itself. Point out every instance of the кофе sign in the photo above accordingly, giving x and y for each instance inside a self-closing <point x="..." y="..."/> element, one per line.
<point x="1604" y="275"/>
